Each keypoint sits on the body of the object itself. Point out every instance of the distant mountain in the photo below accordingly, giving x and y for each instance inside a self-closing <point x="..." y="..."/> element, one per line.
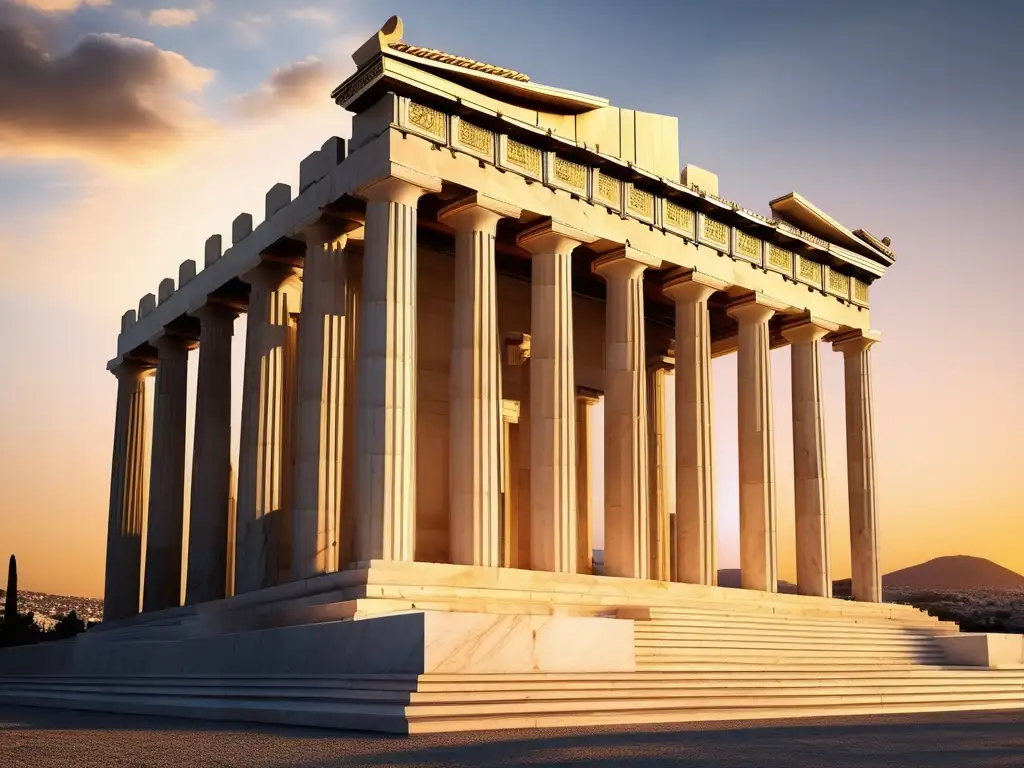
<point x="954" y="572"/>
<point x="730" y="577"/>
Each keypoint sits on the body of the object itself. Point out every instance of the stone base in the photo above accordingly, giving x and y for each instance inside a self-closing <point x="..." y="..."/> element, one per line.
<point x="995" y="651"/>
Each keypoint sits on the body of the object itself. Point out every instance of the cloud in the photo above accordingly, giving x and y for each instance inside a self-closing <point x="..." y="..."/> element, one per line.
<point x="59" y="6"/>
<point x="313" y="14"/>
<point x="172" y="17"/>
<point x="111" y="99"/>
<point x="296" y="85"/>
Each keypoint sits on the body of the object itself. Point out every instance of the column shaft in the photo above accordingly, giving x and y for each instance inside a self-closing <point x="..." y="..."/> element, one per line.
<point x="695" y="520"/>
<point x="860" y="463"/>
<point x="386" y="429"/>
<point x="626" y="528"/>
<point x="758" y="546"/>
<point x="262" y="537"/>
<point x="584" y="477"/>
<point x="318" y="505"/>
<point x="662" y="498"/>
<point x="127" y="495"/>
<point x="162" y="588"/>
<point x="206" y="573"/>
<point x="813" y="567"/>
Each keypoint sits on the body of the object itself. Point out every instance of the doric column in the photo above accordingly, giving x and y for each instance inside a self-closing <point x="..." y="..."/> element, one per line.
<point x="318" y="512"/>
<point x="206" y="574"/>
<point x="661" y="503"/>
<point x="695" y="521"/>
<point x="552" y="397"/>
<point x="127" y="493"/>
<point x="626" y="524"/>
<point x="758" y="546"/>
<point x="810" y="482"/>
<point x="860" y="465"/>
<point x="262" y="541"/>
<point x="475" y="406"/>
<point x="162" y="587"/>
<point x="386" y="416"/>
<point x="585" y="401"/>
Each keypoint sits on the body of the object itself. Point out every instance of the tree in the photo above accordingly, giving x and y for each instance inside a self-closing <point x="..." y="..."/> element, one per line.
<point x="67" y="626"/>
<point x="11" y="601"/>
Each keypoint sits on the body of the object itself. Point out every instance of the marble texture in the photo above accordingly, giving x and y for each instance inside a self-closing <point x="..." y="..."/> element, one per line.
<point x="990" y="650"/>
<point x="662" y="500"/>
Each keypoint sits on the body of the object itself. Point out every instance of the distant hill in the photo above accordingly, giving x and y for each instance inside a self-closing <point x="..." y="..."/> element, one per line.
<point x="730" y="577"/>
<point x="954" y="572"/>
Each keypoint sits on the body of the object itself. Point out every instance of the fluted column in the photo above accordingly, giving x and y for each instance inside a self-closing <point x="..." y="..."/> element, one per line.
<point x="262" y="531"/>
<point x="206" y="573"/>
<point x="162" y="587"/>
<point x="475" y="432"/>
<point x="552" y="405"/>
<point x="386" y="417"/>
<point x="585" y="402"/>
<point x="626" y="478"/>
<point x="318" y="512"/>
<point x="127" y="493"/>
<point x="695" y="520"/>
<point x="661" y="503"/>
<point x="860" y="465"/>
<point x="758" y="545"/>
<point x="810" y="481"/>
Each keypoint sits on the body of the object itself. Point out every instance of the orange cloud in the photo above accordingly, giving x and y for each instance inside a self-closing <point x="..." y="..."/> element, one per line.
<point x="59" y="6"/>
<point x="297" y="85"/>
<point x="172" y="17"/>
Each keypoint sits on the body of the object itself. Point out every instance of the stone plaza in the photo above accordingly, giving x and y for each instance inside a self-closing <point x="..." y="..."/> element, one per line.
<point x="407" y="542"/>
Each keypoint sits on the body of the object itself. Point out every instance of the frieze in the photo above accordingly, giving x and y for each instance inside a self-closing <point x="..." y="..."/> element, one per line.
<point x="838" y="284"/>
<point x="747" y="246"/>
<point x="860" y="292"/>
<point x="567" y="175"/>
<point x="608" y="190"/>
<point x="522" y="157"/>
<point x="714" y="233"/>
<point x="427" y="119"/>
<point x="640" y="203"/>
<point x="809" y="272"/>
<point x="779" y="259"/>
<point x="473" y="139"/>
<point x="679" y="219"/>
<point x="360" y="82"/>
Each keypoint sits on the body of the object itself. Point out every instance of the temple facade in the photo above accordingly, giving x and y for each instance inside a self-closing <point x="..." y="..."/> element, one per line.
<point x="429" y="321"/>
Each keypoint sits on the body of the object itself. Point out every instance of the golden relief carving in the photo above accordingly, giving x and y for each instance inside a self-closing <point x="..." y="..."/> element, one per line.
<point x="780" y="257"/>
<point x="571" y="174"/>
<point x="839" y="282"/>
<point x="860" y="291"/>
<point x="641" y="202"/>
<point x="715" y="231"/>
<point x="810" y="270"/>
<point x="476" y="138"/>
<point x="360" y="81"/>
<point x="523" y="155"/>
<point x="427" y="119"/>
<point x="608" y="189"/>
<point x="678" y="217"/>
<point x="748" y="246"/>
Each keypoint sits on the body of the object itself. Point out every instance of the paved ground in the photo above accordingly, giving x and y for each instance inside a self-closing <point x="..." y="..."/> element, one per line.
<point x="36" y="737"/>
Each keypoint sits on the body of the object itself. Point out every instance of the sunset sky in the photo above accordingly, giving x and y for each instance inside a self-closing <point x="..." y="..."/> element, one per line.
<point x="132" y="130"/>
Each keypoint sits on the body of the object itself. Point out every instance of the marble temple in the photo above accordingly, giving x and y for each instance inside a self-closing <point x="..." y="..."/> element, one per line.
<point x="430" y="319"/>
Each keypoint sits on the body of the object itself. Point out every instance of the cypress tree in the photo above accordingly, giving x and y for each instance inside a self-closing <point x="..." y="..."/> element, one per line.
<point x="11" y="599"/>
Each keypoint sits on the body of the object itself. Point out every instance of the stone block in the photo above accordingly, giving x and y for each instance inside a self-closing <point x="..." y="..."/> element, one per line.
<point x="278" y="196"/>
<point x="241" y="227"/>
<point x="166" y="289"/>
<point x="213" y="250"/>
<point x="333" y="152"/>
<point x="127" y="320"/>
<point x="705" y="181"/>
<point x="147" y="304"/>
<point x="984" y="650"/>
<point x="311" y="170"/>
<point x="186" y="272"/>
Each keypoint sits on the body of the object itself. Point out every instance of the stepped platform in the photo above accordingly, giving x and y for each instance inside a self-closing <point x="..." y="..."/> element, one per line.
<point x="420" y="647"/>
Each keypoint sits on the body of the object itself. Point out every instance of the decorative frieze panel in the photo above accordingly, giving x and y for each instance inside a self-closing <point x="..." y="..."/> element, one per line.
<point x="810" y="272"/>
<point x="359" y="82"/>
<point x="521" y="158"/>
<point x="746" y="246"/>
<point x="779" y="259"/>
<point x="639" y="203"/>
<point x="472" y="139"/>
<point x="713" y="233"/>
<point x="860" y="292"/>
<point x="837" y="283"/>
<point x="607" y="190"/>
<point x="567" y="175"/>
<point x="426" y="121"/>
<point x="678" y="219"/>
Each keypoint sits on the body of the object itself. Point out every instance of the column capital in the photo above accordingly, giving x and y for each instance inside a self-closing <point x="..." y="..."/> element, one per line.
<point x="807" y="329"/>
<point x="689" y="285"/>
<point x="551" y="236"/>
<point x="588" y="396"/>
<point x="518" y="346"/>
<point x="477" y="212"/>
<point x="209" y="310"/>
<point x="661" y="363"/>
<point x="328" y="229"/>
<point x="626" y="261"/>
<point x="124" y="367"/>
<point x="167" y="342"/>
<point x="270" y="275"/>
<point x="401" y="185"/>
<point x="852" y="342"/>
<point x="754" y="308"/>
